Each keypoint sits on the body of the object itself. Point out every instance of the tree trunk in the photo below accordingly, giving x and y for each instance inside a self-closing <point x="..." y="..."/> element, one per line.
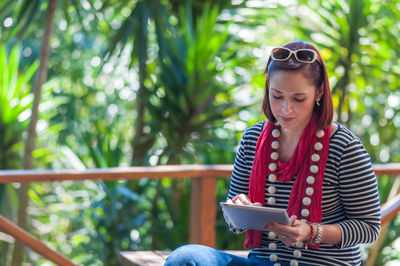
<point x="141" y="142"/>
<point x="30" y="142"/>
<point x="344" y="92"/>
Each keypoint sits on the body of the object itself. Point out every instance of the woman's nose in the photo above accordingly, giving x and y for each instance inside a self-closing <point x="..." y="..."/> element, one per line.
<point x="287" y="106"/>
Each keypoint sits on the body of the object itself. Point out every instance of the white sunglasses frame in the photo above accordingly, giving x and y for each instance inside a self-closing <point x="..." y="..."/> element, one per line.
<point x="315" y="58"/>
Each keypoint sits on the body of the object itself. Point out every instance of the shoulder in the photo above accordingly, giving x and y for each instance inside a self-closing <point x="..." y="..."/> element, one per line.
<point x="251" y="135"/>
<point x="344" y="135"/>
<point x="344" y="143"/>
<point x="254" y="131"/>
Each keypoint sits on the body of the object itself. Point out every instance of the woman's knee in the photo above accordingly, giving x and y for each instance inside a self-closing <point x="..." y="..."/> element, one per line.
<point x="191" y="254"/>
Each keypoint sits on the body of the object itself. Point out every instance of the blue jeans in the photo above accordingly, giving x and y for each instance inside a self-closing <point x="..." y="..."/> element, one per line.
<point x="196" y="255"/>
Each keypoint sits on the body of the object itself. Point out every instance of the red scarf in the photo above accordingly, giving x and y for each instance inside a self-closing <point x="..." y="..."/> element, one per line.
<point x="299" y="164"/>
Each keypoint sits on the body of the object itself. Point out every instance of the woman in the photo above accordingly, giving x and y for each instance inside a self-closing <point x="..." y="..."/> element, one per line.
<point x="300" y="161"/>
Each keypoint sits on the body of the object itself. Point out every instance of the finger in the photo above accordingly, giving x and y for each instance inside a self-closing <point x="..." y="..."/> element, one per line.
<point x="237" y="200"/>
<point x="289" y="243"/>
<point x="292" y="220"/>
<point x="244" y="199"/>
<point x="271" y="226"/>
<point x="234" y="199"/>
<point x="287" y="240"/>
<point x="282" y="233"/>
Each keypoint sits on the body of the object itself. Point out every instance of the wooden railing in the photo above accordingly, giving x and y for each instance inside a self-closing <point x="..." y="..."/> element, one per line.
<point x="203" y="196"/>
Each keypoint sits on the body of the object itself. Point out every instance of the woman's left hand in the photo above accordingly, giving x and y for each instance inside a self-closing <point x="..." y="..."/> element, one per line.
<point x="296" y="231"/>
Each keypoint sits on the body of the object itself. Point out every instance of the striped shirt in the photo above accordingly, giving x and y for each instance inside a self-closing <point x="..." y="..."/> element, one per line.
<point x="350" y="199"/>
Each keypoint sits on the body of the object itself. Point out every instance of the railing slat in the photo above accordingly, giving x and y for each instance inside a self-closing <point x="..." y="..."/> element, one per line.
<point x="208" y="211"/>
<point x="195" y="208"/>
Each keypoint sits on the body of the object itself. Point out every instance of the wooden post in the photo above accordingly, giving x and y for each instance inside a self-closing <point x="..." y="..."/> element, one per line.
<point x="203" y="211"/>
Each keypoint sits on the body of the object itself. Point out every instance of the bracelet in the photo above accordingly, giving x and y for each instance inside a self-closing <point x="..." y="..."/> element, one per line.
<point x="317" y="239"/>
<point x="311" y="235"/>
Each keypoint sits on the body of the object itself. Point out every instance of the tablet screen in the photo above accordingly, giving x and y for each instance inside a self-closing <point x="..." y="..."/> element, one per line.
<point x="253" y="217"/>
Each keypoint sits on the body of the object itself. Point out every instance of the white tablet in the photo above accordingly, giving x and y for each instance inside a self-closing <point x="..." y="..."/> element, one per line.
<point x="253" y="217"/>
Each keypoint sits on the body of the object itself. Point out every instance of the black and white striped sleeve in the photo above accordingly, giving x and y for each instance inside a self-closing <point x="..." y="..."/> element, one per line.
<point x="358" y="190"/>
<point x="239" y="182"/>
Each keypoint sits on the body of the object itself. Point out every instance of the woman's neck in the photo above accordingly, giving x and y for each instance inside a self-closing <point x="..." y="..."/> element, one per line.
<point x="288" y="141"/>
<point x="291" y="135"/>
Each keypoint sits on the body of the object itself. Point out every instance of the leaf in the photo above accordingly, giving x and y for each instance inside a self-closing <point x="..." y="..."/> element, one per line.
<point x="125" y="31"/>
<point x="30" y="7"/>
<point x="126" y="192"/>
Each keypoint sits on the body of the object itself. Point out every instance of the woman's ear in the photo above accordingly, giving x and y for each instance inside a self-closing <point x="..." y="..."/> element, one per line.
<point x="320" y="92"/>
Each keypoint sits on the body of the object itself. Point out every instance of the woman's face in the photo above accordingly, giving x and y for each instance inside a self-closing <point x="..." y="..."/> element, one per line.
<point x="292" y="97"/>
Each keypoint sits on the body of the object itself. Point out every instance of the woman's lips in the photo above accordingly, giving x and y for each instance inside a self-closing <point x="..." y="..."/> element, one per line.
<point x="287" y="119"/>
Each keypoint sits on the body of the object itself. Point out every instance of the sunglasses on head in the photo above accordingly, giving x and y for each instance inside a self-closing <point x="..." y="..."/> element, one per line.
<point x="302" y="55"/>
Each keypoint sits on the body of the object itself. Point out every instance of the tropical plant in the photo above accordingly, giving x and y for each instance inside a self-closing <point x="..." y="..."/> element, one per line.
<point x="15" y="102"/>
<point x="41" y="78"/>
<point x="114" y="214"/>
<point x="185" y="99"/>
<point x="16" y="99"/>
<point x="135" y="28"/>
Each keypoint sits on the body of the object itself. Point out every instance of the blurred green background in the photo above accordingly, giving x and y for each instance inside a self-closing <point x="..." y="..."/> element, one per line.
<point x="171" y="82"/>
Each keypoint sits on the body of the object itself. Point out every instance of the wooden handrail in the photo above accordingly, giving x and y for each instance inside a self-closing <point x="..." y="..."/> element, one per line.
<point x="32" y="242"/>
<point x="116" y="173"/>
<point x="203" y="196"/>
<point x="390" y="209"/>
<point x="137" y="172"/>
<point x="387" y="169"/>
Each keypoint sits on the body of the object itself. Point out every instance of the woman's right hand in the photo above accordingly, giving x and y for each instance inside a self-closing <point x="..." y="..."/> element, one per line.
<point x="242" y="199"/>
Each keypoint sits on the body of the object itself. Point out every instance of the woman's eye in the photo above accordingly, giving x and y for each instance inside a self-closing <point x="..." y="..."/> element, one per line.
<point x="277" y="97"/>
<point x="299" y="100"/>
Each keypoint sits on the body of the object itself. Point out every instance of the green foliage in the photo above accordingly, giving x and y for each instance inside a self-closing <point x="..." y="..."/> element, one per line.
<point x="114" y="218"/>
<point x="354" y="36"/>
<point x="188" y="100"/>
<point x="110" y="215"/>
<point x="390" y="251"/>
<point x="15" y="101"/>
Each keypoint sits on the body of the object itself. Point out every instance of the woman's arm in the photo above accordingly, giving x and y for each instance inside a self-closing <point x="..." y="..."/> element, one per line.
<point x="358" y="190"/>
<point x="331" y="234"/>
<point x="359" y="197"/>
<point x="239" y="182"/>
<point x="300" y="232"/>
